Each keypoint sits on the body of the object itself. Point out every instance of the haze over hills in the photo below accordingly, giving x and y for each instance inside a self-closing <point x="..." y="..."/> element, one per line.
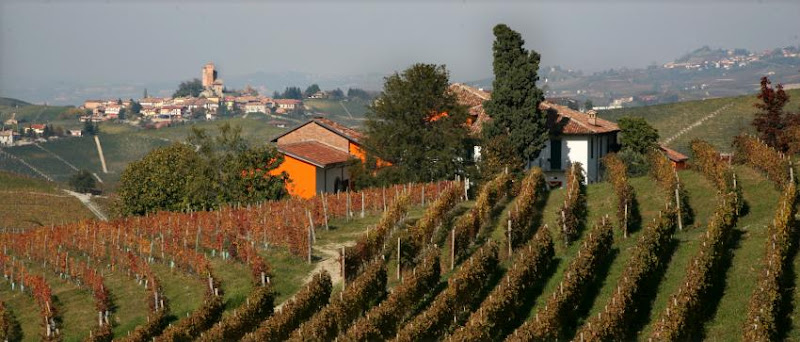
<point x="703" y="73"/>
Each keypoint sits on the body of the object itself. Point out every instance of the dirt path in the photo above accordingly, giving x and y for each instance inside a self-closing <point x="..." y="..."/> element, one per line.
<point x="329" y="261"/>
<point x="696" y="123"/>
<point x="87" y="201"/>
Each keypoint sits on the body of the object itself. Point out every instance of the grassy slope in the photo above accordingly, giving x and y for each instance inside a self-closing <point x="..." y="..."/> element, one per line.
<point x="335" y="109"/>
<point x="669" y="119"/>
<point x="27" y="202"/>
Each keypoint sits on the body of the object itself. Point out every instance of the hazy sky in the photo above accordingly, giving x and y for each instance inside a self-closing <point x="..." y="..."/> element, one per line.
<point x="145" y="41"/>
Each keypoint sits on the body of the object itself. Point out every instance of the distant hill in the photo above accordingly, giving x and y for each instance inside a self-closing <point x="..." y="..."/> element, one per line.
<point x="9" y="102"/>
<point x="734" y="116"/>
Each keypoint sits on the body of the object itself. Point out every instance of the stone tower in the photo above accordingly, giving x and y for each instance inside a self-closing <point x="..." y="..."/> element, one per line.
<point x="209" y="75"/>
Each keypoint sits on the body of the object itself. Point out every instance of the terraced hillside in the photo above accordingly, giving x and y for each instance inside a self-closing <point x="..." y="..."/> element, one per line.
<point x="424" y="263"/>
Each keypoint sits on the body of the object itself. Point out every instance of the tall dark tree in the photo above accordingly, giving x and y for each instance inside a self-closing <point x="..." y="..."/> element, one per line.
<point x="417" y="125"/>
<point x="311" y="90"/>
<point x="189" y="88"/>
<point x="83" y="181"/>
<point x="770" y="121"/>
<point x="518" y="129"/>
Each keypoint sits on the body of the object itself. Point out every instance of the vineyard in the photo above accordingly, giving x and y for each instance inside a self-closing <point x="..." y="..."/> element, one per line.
<point x="704" y="253"/>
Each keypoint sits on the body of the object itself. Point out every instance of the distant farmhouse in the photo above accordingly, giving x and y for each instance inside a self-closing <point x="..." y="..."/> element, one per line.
<point x="316" y="155"/>
<point x="574" y="136"/>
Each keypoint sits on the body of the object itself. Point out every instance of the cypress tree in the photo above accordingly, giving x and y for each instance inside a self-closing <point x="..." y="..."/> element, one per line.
<point x="518" y="129"/>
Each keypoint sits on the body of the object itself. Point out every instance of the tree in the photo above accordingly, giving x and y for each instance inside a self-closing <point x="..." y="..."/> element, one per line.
<point x="290" y="93"/>
<point x="637" y="135"/>
<point x="135" y="108"/>
<point x="588" y="105"/>
<point x="311" y="90"/>
<point x="418" y="126"/>
<point x="90" y="127"/>
<point x="191" y="88"/>
<point x="771" y="121"/>
<point x="160" y="181"/>
<point x="83" y="181"/>
<point x="358" y="93"/>
<point x="208" y="171"/>
<point x="514" y="107"/>
<point x="337" y="93"/>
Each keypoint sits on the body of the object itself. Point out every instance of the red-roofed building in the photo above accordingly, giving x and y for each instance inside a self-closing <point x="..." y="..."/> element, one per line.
<point x="574" y="136"/>
<point x="677" y="159"/>
<point x="316" y="155"/>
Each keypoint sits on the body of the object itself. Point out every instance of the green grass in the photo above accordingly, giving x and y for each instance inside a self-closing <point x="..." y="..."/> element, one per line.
<point x="130" y="304"/>
<point x="669" y="119"/>
<point x="353" y="115"/>
<point x="25" y="311"/>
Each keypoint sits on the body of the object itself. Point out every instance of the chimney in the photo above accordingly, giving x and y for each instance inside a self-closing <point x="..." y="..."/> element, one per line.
<point x="592" y="117"/>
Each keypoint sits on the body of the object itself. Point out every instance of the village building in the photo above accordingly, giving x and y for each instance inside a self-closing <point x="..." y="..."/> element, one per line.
<point x="7" y="138"/>
<point x="173" y="111"/>
<point x="112" y="111"/>
<point x="574" y="136"/>
<point x="36" y="128"/>
<point x="92" y="104"/>
<point x="287" y="104"/>
<point x="256" y="107"/>
<point x="316" y="155"/>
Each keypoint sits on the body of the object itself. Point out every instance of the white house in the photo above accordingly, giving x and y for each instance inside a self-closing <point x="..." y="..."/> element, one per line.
<point x="255" y="107"/>
<point x="574" y="136"/>
<point x="7" y="138"/>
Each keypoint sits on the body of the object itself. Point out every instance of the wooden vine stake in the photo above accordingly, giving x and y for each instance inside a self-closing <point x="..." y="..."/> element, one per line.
<point x="509" y="238"/>
<point x="325" y="210"/>
<point x="452" y="248"/>
<point x="344" y="278"/>
<point x="625" y="224"/>
<point x="678" y="205"/>
<point x="311" y="223"/>
<point x="362" y="204"/>
<point x="310" y="241"/>
<point x="398" y="259"/>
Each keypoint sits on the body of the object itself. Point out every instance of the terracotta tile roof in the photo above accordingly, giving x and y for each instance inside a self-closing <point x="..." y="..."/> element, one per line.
<point x="340" y="129"/>
<point x="288" y="101"/>
<point x="472" y="98"/>
<point x="315" y="153"/>
<point x="672" y="154"/>
<point x="562" y="120"/>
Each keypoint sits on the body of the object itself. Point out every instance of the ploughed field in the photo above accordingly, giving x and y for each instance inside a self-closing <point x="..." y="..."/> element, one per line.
<point x="624" y="259"/>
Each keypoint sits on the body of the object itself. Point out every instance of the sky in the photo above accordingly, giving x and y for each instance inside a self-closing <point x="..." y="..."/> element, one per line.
<point x="114" y="42"/>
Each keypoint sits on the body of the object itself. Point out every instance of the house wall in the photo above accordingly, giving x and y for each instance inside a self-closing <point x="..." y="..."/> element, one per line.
<point x="302" y="176"/>
<point x="326" y="178"/>
<point x="314" y="132"/>
<point x="586" y="149"/>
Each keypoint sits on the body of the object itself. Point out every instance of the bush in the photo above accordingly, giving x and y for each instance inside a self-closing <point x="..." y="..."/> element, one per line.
<point x="83" y="181"/>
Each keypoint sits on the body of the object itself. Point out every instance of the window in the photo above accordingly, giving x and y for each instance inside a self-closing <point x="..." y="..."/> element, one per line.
<point x="591" y="147"/>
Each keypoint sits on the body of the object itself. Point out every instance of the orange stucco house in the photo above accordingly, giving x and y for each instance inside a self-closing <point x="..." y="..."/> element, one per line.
<point x="316" y="155"/>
